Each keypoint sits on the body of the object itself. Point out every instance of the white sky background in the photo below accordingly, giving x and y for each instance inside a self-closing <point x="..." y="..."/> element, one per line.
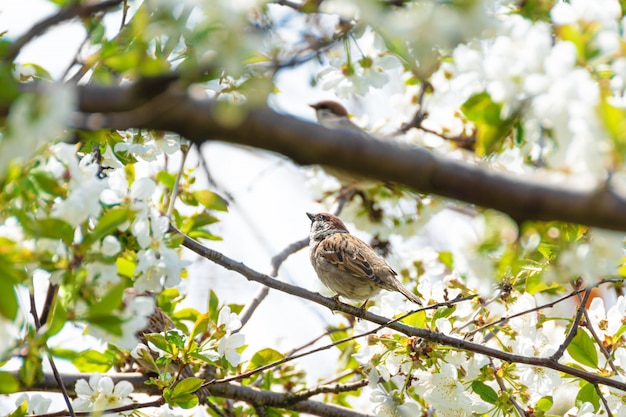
<point x="271" y="201"/>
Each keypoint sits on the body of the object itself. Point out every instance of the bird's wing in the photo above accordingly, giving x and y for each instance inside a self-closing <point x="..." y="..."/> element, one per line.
<point x="348" y="253"/>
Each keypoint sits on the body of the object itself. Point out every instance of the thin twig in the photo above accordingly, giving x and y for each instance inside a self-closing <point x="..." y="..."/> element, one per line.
<point x="329" y="389"/>
<point x="314" y="341"/>
<point x="574" y="329"/>
<point x="124" y="14"/>
<point x="262" y="292"/>
<point x="604" y="402"/>
<point x="605" y="352"/>
<point x="512" y="316"/>
<point x="55" y="371"/>
<point x="128" y="407"/>
<point x="179" y="175"/>
<point x="64" y="14"/>
<point x="48" y="302"/>
<point x="500" y="382"/>
<point x="215" y="408"/>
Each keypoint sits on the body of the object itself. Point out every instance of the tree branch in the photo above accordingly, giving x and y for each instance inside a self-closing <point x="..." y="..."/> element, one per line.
<point x="426" y="334"/>
<point x="308" y="143"/>
<point x="223" y="390"/>
<point x="64" y="14"/>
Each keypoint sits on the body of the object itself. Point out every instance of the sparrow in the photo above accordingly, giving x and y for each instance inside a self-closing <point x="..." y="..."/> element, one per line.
<point x="347" y="265"/>
<point x="333" y="115"/>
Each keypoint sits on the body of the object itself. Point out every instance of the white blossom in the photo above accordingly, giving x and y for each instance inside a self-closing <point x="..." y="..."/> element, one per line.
<point x="37" y="404"/>
<point x="228" y="345"/>
<point x="386" y="405"/>
<point x="100" y="393"/>
<point x="230" y="320"/>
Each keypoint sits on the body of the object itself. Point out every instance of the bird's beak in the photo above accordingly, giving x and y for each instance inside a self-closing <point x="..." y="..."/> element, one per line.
<point x="311" y="216"/>
<point x="313" y="106"/>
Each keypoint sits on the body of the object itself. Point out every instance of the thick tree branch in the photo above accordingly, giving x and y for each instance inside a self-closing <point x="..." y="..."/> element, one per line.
<point x="308" y="143"/>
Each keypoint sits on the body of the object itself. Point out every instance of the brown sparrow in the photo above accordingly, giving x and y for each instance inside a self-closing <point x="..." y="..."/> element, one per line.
<point x="333" y="115"/>
<point x="346" y="264"/>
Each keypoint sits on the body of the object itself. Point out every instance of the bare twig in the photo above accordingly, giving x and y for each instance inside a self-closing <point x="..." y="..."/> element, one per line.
<point x="314" y="341"/>
<point x="604" y="402"/>
<point x="128" y="407"/>
<point x="521" y="313"/>
<point x="574" y="329"/>
<point x="500" y="382"/>
<point x="277" y="261"/>
<point x="329" y="389"/>
<point x="176" y="190"/>
<point x="55" y="371"/>
<point x="599" y="342"/>
<point x="215" y="408"/>
<point x="48" y="302"/>
<point x="64" y="14"/>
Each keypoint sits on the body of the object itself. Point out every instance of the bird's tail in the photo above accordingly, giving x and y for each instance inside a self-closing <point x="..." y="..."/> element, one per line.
<point x="408" y="294"/>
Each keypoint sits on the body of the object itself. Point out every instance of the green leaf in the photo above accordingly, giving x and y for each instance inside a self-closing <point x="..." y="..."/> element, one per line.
<point x="159" y="341"/>
<point x="443" y="313"/>
<point x="210" y="200"/>
<point x="186" y="401"/>
<point x="8" y="383"/>
<point x="201" y="324"/>
<point x="8" y="300"/>
<point x="263" y="357"/>
<point x="92" y="361"/>
<point x="186" y="386"/>
<point x="110" y="302"/>
<point x="111" y="324"/>
<point x="188" y="313"/>
<point x="447" y="258"/>
<point x="109" y="222"/>
<point x="544" y="403"/>
<point x="57" y="319"/>
<point x="166" y="179"/>
<point x="536" y="283"/>
<point x="583" y="349"/>
<point x="491" y="129"/>
<point x="588" y="394"/>
<point x="485" y="392"/>
<point x="203" y="234"/>
<point x="48" y="183"/>
<point x="202" y="219"/>
<point x="125" y="267"/>
<point x="21" y="410"/>
<point x="614" y="118"/>
<point x="50" y="228"/>
<point x="214" y="303"/>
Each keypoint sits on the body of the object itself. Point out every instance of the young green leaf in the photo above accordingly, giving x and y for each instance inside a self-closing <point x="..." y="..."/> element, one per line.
<point x="583" y="349"/>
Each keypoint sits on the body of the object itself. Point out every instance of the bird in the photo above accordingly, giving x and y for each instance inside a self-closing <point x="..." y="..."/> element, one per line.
<point x="347" y="265"/>
<point x="333" y="115"/>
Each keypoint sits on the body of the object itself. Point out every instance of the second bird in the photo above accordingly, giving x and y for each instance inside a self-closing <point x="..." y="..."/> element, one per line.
<point x="347" y="265"/>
